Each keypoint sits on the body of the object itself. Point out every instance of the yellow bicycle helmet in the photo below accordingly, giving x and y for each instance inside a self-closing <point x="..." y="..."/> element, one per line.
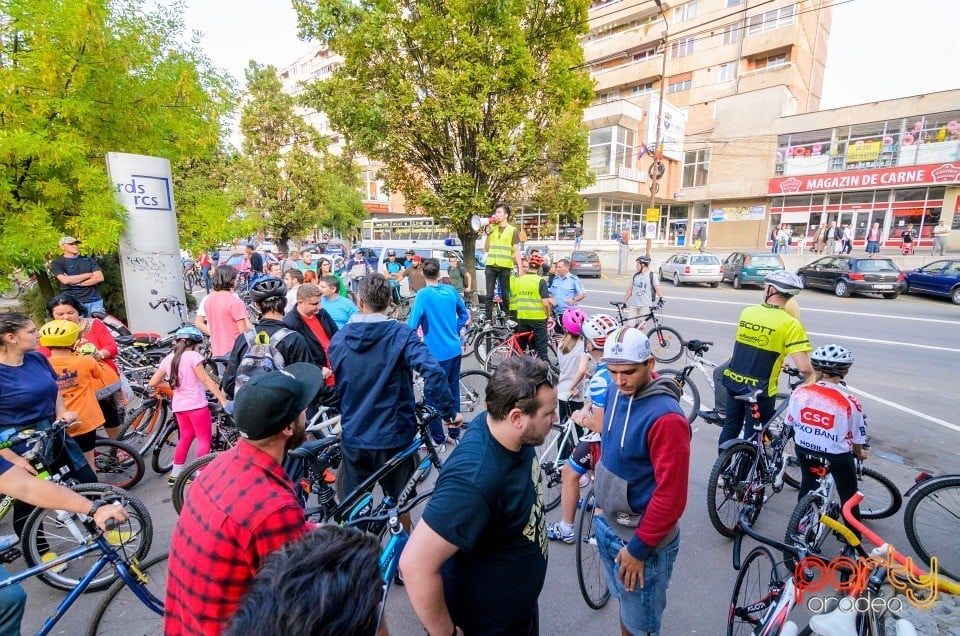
<point x="59" y="333"/>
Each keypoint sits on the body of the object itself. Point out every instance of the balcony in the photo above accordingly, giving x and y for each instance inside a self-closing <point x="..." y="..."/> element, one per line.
<point x="616" y="11"/>
<point x="638" y="38"/>
<point x="772" y="40"/>
<point x="629" y="73"/>
<point x="617" y="113"/>
<point x="767" y="77"/>
<point x="626" y="183"/>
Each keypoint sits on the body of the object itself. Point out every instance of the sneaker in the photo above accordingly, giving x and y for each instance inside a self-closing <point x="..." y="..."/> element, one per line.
<point x="47" y="557"/>
<point x="714" y="416"/>
<point x="7" y="541"/>
<point x="117" y="537"/>
<point x="555" y="533"/>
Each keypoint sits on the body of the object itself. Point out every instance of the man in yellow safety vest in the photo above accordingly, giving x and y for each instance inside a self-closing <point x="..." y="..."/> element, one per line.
<point x="503" y="252"/>
<point x="534" y="304"/>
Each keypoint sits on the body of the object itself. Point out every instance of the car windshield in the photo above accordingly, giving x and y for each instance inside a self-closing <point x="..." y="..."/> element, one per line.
<point x="703" y="259"/>
<point x="765" y="260"/>
<point x="584" y="256"/>
<point x="876" y="265"/>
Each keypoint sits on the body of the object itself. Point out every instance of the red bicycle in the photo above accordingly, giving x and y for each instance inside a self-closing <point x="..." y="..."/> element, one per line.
<point x="518" y="344"/>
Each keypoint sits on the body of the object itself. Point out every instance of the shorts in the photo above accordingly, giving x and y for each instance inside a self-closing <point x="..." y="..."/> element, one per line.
<point x="641" y="610"/>
<point x="86" y="441"/>
<point x="359" y="463"/>
<point x="584" y="457"/>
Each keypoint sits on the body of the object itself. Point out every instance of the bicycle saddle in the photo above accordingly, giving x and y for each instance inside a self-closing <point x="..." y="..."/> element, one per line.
<point x="312" y="450"/>
<point x="699" y="346"/>
<point x="617" y="303"/>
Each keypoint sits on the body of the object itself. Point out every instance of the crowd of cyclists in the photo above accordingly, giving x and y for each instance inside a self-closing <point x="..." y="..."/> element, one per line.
<point x="311" y="346"/>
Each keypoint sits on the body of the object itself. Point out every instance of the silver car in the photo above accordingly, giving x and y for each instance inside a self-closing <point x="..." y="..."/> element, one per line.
<point x="687" y="267"/>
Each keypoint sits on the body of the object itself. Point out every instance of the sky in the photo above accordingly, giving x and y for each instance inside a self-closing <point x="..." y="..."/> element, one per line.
<point x="879" y="49"/>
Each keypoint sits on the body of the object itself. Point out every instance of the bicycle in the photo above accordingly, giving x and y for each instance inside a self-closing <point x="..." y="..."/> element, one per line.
<point x="94" y="542"/>
<point x="552" y="455"/>
<point x="519" y="344"/>
<point x="400" y="311"/>
<point x="191" y="277"/>
<point x="930" y="521"/>
<point x="117" y="464"/>
<point x="590" y="573"/>
<point x="666" y="342"/>
<point x="13" y="285"/>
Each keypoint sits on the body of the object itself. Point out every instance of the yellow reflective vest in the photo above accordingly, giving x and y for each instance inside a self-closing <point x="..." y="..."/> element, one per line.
<point x="529" y="304"/>
<point x="500" y="253"/>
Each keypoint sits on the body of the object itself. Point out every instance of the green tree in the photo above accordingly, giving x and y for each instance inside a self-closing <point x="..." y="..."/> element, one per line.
<point x="465" y="101"/>
<point x="81" y="78"/>
<point x="291" y="182"/>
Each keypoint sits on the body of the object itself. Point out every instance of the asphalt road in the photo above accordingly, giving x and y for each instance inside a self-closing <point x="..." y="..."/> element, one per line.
<point x="907" y="357"/>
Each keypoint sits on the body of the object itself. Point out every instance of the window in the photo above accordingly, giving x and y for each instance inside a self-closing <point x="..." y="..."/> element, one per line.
<point x="696" y="167"/>
<point x="608" y="97"/>
<point x="773" y="61"/>
<point x="773" y="19"/>
<point x="373" y="188"/>
<point x="733" y="3"/>
<point x="610" y="148"/>
<point x="676" y="87"/>
<point x="731" y="32"/>
<point x="645" y="55"/>
<point x="727" y="72"/>
<point x="682" y="48"/>
<point x="685" y="12"/>
<point x="641" y="89"/>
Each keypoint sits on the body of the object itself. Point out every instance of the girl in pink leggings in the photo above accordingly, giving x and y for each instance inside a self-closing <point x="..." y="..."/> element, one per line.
<point x="183" y="369"/>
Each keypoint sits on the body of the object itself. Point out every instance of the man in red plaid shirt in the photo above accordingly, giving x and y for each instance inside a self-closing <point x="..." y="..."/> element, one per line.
<point x="242" y="506"/>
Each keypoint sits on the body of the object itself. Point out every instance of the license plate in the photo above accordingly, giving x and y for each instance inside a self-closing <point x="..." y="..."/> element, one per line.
<point x="883" y="286"/>
<point x="764" y="271"/>
<point x="705" y="271"/>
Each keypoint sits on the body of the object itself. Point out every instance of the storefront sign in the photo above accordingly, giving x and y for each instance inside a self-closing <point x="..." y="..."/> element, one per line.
<point x="754" y="213"/>
<point x="863" y="152"/>
<point x="863" y="179"/>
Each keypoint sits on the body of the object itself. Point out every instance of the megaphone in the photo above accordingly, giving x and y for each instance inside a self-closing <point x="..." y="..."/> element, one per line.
<point x="478" y="222"/>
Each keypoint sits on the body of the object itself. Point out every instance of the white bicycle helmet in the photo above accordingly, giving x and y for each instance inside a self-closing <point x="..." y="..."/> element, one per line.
<point x="832" y="359"/>
<point x="786" y="283"/>
<point x="597" y="327"/>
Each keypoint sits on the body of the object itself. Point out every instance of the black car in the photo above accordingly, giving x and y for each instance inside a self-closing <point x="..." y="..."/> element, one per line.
<point x="846" y="275"/>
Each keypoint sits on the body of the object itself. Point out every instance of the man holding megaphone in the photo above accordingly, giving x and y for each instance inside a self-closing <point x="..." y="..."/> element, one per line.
<point x="503" y="252"/>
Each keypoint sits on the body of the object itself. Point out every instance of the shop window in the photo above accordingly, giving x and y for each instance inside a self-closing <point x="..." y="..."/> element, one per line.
<point x="910" y="194"/>
<point x="857" y="197"/>
<point x="696" y="168"/>
<point x="685" y="12"/>
<point x="773" y="19"/>
<point x="726" y="72"/>
<point x="682" y="48"/>
<point x="676" y="87"/>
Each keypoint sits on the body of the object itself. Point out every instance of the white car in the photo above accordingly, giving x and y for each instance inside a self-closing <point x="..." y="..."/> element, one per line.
<point x="692" y="267"/>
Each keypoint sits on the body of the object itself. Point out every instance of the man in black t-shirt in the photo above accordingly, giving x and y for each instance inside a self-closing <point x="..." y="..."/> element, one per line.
<point x="256" y="263"/>
<point x="78" y="276"/>
<point x="476" y="562"/>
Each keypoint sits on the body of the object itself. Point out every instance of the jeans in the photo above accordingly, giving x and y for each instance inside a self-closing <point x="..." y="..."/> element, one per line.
<point x="92" y="306"/>
<point x="451" y="369"/>
<point x="541" y="338"/>
<point x="13" y="600"/>
<point x="642" y="609"/>
<point x="205" y="273"/>
<point x="738" y="414"/>
<point x="938" y="245"/>
<point x="493" y="274"/>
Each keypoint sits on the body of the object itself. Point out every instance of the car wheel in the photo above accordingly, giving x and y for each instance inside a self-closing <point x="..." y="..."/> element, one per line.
<point x="714" y="284"/>
<point x="892" y="295"/>
<point x="676" y="279"/>
<point x="736" y="282"/>
<point x="955" y="295"/>
<point x="842" y="289"/>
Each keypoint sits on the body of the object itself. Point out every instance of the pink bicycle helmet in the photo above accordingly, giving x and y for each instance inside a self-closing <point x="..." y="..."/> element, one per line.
<point x="573" y="319"/>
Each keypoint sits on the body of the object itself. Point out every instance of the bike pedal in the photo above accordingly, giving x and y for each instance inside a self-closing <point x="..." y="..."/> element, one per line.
<point x="10" y="555"/>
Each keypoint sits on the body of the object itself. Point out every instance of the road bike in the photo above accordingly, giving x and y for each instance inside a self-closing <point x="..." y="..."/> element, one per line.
<point x="552" y="455"/>
<point x="519" y="344"/>
<point x="590" y="572"/>
<point x="666" y="342"/>
<point x="931" y="520"/>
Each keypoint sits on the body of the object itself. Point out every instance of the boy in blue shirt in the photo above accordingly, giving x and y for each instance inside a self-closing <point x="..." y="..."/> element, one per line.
<point x="339" y="308"/>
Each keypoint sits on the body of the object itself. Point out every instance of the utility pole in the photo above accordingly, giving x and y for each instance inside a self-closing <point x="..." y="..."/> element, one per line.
<point x="658" y="168"/>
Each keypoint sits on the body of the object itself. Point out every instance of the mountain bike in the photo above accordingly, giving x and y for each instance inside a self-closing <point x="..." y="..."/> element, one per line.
<point x="117" y="464"/>
<point x="666" y="342"/>
<point x="931" y="520"/>
<point x="95" y="543"/>
<point x="590" y="573"/>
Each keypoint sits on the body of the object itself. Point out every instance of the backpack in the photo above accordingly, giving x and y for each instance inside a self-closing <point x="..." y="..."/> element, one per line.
<point x="261" y="356"/>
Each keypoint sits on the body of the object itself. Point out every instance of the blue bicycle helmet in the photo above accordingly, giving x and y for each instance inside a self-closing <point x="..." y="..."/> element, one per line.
<point x="189" y="333"/>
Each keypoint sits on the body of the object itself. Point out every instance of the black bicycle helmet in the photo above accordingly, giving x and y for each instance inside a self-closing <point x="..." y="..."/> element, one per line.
<point x="267" y="287"/>
<point x="832" y="360"/>
<point x="645" y="259"/>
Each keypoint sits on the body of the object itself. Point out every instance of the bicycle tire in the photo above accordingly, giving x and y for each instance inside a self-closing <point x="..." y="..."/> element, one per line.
<point x="882" y="499"/>
<point x="486" y="340"/>
<point x="804" y="527"/>
<point x="689" y="396"/>
<point x="139" y="528"/>
<point x="144" y="429"/>
<point x="793" y="474"/>
<point x="666" y="343"/>
<point x="726" y="482"/>
<point x="590" y="573"/>
<point x="497" y="356"/>
<point x="117" y="464"/>
<point x="548" y="454"/>
<point x="930" y="522"/>
<point x="161" y="457"/>
<point x="185" y="478"/>
<point x="473" y="393"/>
<point x="756" y="579"/>
<point x="121" y="612"/>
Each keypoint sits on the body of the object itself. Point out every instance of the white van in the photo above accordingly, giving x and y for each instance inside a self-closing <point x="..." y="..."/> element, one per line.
<point x="440" y="250"/>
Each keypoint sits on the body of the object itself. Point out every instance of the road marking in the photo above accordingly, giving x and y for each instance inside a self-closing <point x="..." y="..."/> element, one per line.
<point x="905" y="409"/>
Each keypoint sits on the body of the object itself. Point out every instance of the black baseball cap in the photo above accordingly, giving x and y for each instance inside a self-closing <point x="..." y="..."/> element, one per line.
<point x="410" y="252"/>
<point x="271" y="401"/>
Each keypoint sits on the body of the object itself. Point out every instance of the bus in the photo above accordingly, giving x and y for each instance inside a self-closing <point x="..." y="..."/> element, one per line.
<point x="410" y="228"/>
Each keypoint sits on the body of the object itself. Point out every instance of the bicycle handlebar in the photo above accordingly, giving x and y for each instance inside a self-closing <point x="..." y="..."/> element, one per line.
<point x="28" y="436"/>
<point x="391" y="513"/>
<point x="745" y="526"/>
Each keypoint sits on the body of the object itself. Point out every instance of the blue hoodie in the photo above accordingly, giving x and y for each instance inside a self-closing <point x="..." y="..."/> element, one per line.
<point x="373" y="359"/>
<point x="442" y="314"/>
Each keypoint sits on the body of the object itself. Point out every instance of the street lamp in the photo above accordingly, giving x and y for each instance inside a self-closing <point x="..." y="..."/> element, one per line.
<point x="655" y="168"/>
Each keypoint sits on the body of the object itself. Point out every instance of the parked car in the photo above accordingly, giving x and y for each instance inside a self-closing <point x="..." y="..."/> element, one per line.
<point x="686" y="267"/>
<point x="544" y="252"/>
<point x="585" y="264"/>
<point x="750" y="268"/>
<point x="939" y="278"/>
<point x="846" y="275"/>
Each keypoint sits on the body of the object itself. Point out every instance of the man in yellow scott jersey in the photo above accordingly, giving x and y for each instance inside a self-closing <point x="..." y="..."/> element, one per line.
<point x="503" y="252"/>
<point x="766" y="334"/>
<point x="534" y="304"/>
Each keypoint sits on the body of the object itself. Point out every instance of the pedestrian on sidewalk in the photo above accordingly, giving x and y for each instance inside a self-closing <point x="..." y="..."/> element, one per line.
<point x="940" y="237"/>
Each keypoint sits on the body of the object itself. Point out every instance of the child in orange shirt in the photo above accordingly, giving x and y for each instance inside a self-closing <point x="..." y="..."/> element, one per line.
<point x="78" y="379"/>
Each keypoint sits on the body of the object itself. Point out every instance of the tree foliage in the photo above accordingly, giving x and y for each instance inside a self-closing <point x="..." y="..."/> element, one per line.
<point x="465" y="101"/>
<point x="78" y="79"/>
<point x="290" y="181"/>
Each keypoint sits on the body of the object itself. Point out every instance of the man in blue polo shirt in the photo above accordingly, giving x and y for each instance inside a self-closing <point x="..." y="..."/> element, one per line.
<point x="566" y="288"/>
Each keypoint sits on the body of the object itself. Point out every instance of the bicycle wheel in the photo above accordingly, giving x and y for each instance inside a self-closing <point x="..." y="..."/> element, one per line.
<point x="881" y="497"/>
<point x="727" y="486"/>
<point x="487" y="340"/>
<point x="190" y="472"/>
<point x="590" y="572"/>
<point x="689" y="396"/>
<point x="473" y="393"/>
<point x="931" y="520"/>
<point x="497" y="355"/>
<point x="57" y="532"/>
<point x="666" y="343"/>
<point x="758" y="587"/>
<point x="122" y="612"/>
<point x="145" y="424"/>
<point x="804" y="528"/>
<point x="550" y="465"/>
<point x="162" y="457"/>
<point x="117" y="464"/>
